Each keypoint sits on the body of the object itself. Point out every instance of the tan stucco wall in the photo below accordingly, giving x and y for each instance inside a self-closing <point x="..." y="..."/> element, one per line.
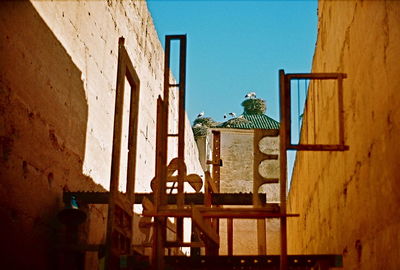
<point x="237" y="176"/>
<point x="348" y="201"/>
<point x="57" y="94"/>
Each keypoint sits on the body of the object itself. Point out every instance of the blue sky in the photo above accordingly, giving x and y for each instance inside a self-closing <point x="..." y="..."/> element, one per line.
<point x="235" y="47"/>
<point x="238" y="46"/>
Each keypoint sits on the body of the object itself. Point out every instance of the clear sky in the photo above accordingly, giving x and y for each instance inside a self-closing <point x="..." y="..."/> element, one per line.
<point x="235" y="47"/>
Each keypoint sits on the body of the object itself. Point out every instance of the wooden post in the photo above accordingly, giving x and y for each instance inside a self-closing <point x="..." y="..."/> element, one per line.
<point x="116" y="153"/>
<point x="181" y="134"/>
<point x="261" y="236"/>
<point x="284" y="140"/>
<point x="341" y="110"/>
<point x="261" y="224"/>
<point x="216" y="159"/>
<point x="230" y="236"/>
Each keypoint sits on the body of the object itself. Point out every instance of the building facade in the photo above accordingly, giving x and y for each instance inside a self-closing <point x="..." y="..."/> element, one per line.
<point x="237" y="176"/>
<point x="348" y="201"/>
<point x="58" y="73"/>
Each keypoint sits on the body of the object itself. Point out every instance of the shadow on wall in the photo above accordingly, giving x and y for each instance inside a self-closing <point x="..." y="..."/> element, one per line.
<point x="43" y="120"/>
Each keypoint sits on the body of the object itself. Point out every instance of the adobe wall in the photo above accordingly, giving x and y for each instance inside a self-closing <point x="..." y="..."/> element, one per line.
<point x="348" y="201"/>
<point x="237" y="153"/>
<point x="57" y="94"/>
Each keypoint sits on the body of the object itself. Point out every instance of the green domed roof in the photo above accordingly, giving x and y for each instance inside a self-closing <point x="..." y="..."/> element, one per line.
<point x="251" y="121"/>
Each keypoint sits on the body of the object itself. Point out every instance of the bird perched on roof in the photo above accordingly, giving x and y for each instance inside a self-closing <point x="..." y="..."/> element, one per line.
<point x="232" y="114"/>
<point x="200" y="115"/>
<point x="250" y="95"/>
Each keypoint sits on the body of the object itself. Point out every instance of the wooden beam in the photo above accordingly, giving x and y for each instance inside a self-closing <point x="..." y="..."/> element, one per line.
<point x="252" y="262"/>
<point x="318" y="147"/>
<point x="190" y="198"/>
<point x="341" y="112"/>
<point x="284" y="141"/>
<point x="148" y="205"/>
<point x="134" y="83"/>
<point x="116" y="151"/>
<point x="181" y="132"/>
<point x="198" y="220"/>
<point x="216" y="157"/>
<point x="261" y="236"/>
<point x="319" y="76"/>
<point x="171" y="244"/>
<point x="230" y="236"/>
<point x="238" y="213"/>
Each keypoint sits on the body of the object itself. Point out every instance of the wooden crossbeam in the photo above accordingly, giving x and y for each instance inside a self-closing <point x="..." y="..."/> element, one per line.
<point x="172" y="244"/>
<point x="237" y="213"/>
<point x="318" y="147"/>
<point x="244" y="262"/>
<point x="190" y="198"/>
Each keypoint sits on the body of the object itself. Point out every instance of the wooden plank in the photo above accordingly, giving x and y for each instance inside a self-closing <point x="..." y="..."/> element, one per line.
<point x="159" y="231"/>
<point x="261" y="236"/>
<point x="216" y="157"/>
<point x="318" y="147"/>
<point x="238" y="213"/>
<point x="251" y="262"/>
<point x="181" y="132"/>
<point x="341" y="112"/>
<point x="258" y="181"/>
<point x="184" y="244"/>
<point x="284" y="141"/>
<point x="267" y="132"/>
<point x="134" y="82"/>
<point x="190" y="198"/>
<point x="171" y="244"/>
<point x="319" y="76"/>
<point x="159" y="235"/>
<point x="216" y="174"/>
<point x="148" y="205"/>
<point x="116" y="151"/>
<point x="161" y="156"/>
<point x="198" y="220"/>
<point x="230" y="236"/>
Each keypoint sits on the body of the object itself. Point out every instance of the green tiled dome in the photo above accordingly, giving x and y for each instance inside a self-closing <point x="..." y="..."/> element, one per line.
<point x="254" y="121"/>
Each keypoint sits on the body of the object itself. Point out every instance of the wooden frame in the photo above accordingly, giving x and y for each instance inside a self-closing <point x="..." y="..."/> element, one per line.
<point x="125" y="70"/>
<point x="160" y="199"/>
<point x="285" y="140"/>
<point x="285" y="86"/>
<point x="259" y="180"/>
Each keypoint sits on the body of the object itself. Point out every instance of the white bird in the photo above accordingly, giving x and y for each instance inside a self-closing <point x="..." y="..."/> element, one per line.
<point x="232" y="114"/>
<point x="250" y="95"/>
<point x="200" y="115"/>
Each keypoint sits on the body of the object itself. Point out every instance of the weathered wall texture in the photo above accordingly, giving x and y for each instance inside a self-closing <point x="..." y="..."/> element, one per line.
<point x="57" y="94"/>
<point x="237" y="176"/>
<point x="348" y="201"/>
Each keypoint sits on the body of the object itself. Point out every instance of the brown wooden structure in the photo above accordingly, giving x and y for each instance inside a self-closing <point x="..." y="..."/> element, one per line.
<point x="119" y="222"/>
<point x="168" y="199"/>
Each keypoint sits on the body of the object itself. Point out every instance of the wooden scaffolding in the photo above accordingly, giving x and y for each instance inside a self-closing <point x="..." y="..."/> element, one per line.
<point x="169" y="200"/>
